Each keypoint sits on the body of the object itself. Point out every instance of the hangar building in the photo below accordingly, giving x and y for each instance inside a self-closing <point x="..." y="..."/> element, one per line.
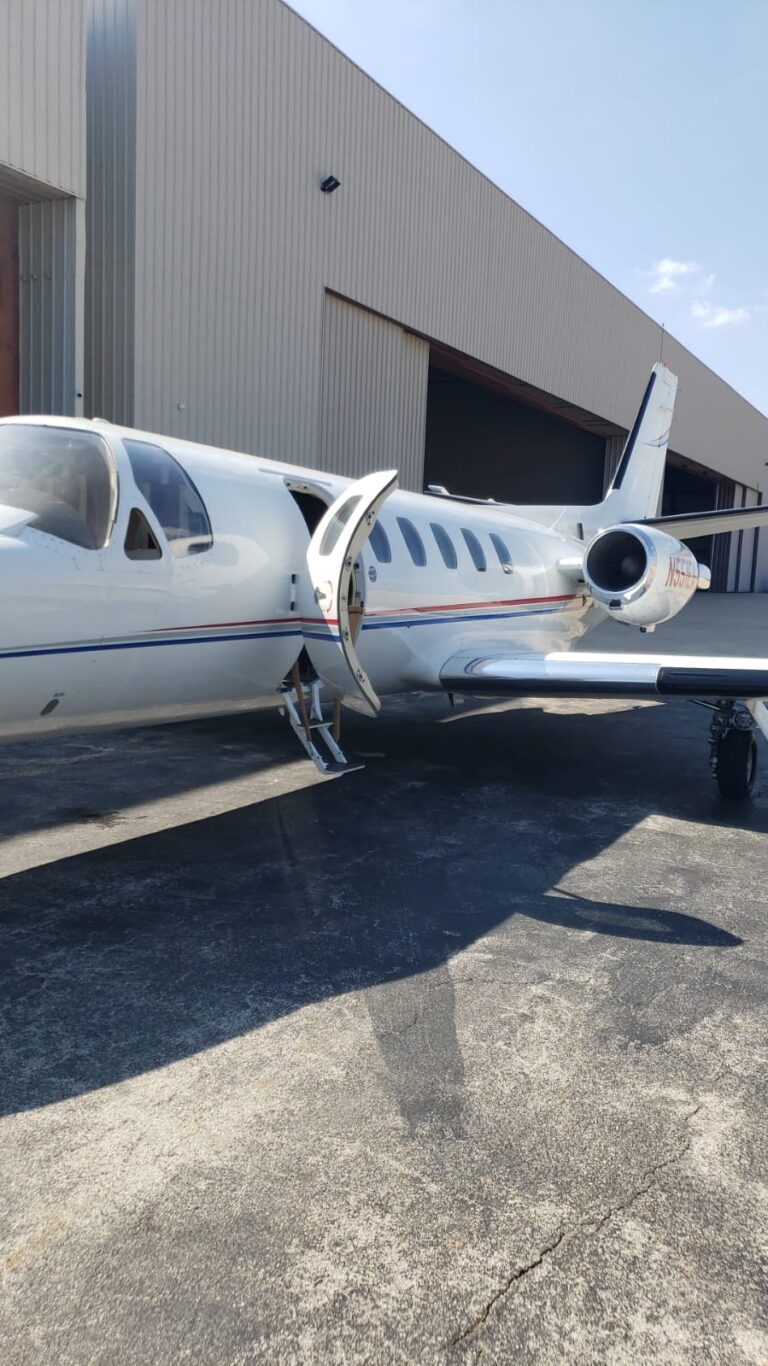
<point x="281" y="259"/>
<point x="42" y="205"/>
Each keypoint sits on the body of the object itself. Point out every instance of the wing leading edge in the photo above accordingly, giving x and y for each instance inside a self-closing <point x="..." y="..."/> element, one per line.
<point x="604" y="675"/>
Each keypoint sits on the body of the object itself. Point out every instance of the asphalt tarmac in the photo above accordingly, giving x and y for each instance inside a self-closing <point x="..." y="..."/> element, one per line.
<point x="458" y="1058"/>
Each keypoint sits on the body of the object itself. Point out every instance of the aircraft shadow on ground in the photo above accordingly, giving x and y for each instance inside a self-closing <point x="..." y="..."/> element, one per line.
<point x="130" y="957"/>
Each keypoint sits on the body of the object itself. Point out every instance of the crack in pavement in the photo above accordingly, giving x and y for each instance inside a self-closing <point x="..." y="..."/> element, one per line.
<point x="568" y="1233"/>
<point x="517" y="1275"/>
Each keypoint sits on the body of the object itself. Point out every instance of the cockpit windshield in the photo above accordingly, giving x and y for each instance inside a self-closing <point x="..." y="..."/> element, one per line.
<point x="64" y="476"/>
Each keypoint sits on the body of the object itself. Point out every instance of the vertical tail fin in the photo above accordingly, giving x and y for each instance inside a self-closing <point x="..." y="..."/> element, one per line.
<point x="637" y="484"/>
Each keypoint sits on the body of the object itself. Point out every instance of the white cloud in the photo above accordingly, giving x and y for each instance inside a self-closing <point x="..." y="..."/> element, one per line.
<point x="692" y="283"/>
<point x="711" y="315"/>
<point x="667" y="273"/>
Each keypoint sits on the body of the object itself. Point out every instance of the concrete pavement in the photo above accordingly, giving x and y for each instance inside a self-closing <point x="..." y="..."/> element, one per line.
<point x="459" y="1058"/>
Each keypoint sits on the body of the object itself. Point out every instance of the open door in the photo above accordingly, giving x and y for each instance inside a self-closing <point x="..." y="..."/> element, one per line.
<point x="338" y="590"/>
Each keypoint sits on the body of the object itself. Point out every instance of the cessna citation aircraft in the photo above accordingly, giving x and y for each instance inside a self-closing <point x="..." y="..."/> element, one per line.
<point x="146" y="579"/>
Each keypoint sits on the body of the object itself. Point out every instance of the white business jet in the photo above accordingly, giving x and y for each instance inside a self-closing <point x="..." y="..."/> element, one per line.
<point x="146" y="579"/>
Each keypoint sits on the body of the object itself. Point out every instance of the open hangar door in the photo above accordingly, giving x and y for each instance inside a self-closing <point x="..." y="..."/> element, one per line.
<point x="732" y="557"/>
<point x="42" y="254"/>
<point x="490" y="436"/>
<point x="688" y="490"/>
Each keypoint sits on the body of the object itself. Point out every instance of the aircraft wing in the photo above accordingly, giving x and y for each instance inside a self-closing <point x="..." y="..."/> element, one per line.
<point x="501" y="673"/>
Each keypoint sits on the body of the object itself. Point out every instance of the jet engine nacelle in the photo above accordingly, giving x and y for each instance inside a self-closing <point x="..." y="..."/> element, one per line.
<point x="641" y="575"/>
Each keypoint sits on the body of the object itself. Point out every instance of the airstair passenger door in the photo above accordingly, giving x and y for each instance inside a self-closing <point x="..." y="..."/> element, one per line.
<point x="338" y="590"/>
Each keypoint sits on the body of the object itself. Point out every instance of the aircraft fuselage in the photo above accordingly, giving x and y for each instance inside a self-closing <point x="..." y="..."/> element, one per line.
<point x="94" y="635"/>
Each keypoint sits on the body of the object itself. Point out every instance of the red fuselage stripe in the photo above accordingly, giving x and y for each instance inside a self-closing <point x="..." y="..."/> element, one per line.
<point x="385" y="612"/>
<point x="464" y="606"/>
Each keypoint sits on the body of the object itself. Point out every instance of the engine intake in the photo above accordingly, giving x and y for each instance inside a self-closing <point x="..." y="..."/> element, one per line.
<point x="617" y="561"/>
<point x="640" y="574"/>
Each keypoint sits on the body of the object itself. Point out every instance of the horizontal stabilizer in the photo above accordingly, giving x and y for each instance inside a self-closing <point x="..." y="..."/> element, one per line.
<point x="604" y="675"/>
<point x="688" y="524"/>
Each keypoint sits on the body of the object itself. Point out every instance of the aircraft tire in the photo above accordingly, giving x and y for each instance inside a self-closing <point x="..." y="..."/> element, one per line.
<point x="736" y="764"/>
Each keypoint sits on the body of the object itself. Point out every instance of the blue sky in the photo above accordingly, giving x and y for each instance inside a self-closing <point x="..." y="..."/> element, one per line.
<point x="638" y="133"/>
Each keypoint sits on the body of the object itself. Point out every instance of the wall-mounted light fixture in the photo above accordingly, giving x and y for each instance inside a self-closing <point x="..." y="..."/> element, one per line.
<point x="329" y="184"/>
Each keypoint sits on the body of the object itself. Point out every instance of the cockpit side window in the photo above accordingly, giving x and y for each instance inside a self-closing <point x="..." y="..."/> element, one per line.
<point x="140" y="540"/>
<point x="64" y="476"/>
<point x="172" y="497"/>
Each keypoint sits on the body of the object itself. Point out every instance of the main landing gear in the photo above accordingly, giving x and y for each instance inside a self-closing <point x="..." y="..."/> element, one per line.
<point x="733" y="750"/>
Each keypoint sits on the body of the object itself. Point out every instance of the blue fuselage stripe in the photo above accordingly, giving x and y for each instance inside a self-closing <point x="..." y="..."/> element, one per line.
<point x="98" y="647"/>
<point x="436" y="621"/>
<point x="101" y="646"/>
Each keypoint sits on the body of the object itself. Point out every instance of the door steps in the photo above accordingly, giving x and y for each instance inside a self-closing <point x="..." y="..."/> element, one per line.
<point x="303" y="708"/>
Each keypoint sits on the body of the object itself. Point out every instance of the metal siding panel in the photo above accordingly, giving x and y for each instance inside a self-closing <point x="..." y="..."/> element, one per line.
<point x="374" y="395"/>
<point x="243" y="109"/>
<point x="110" y="211"/>
<point x="224" y="323"/>
<point x="42" y="92"/>
<point x="761" y="567"/>
<point x="748" y="549"/>
<point x="50" y="306"/>
<point x="740" y="561"/>
<point x="614" y="446"/>
<point x="733" y="544"/>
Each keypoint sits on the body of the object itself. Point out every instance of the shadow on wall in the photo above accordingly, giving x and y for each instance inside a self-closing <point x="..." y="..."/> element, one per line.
<point x="125" y="959"/>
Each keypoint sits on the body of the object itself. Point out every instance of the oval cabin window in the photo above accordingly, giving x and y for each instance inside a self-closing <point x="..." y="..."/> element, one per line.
<point x="502" y="550"/>
<point x="413" y="541"/>
<point x="475" y="549"/>
<point x="445" y="545"/>
<point x="380" y="544"/>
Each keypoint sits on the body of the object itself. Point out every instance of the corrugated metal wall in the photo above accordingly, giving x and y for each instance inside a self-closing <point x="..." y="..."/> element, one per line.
<point x="111" y="210"/>
<point x="374" y="395"/>
<point x="230" y="260"/>
<point x="741" y="545"/>
<point x="51" y="255"/>
<point x="42" y="91"/>
<point x="745" y="543"/>
<point x="42" y="168"/>
<point x="241" y="110"/>
<point x="614" y="446"/>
